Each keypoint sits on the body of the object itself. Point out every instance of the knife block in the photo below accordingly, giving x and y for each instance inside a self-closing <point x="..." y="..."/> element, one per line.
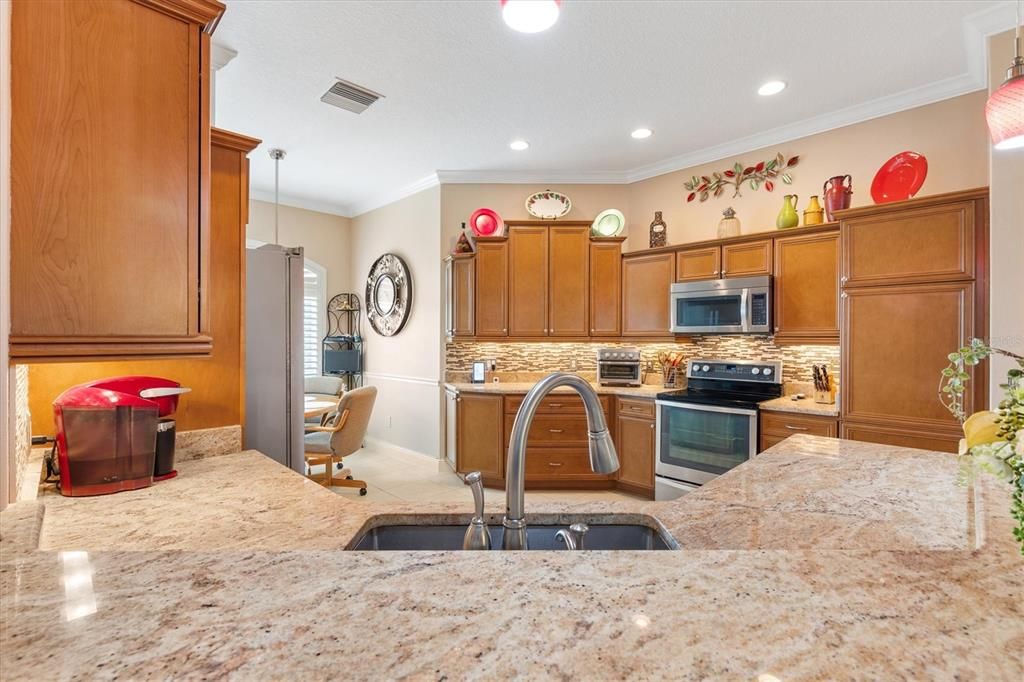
<point x="825" y="397"/>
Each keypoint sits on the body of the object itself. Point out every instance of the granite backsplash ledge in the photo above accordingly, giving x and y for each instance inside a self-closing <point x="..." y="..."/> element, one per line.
<point x="559" y="356"/>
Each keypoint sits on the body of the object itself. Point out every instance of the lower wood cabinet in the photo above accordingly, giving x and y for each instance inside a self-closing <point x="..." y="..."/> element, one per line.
<point x="635" y="442"/>
<point x="645" y="287"/>
<point x="479" y="445"/>
<point x="778" y="426"/>
<point x="902" y="436"/>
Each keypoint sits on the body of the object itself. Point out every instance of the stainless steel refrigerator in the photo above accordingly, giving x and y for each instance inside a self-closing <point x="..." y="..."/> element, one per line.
<point x="273" y="354"/>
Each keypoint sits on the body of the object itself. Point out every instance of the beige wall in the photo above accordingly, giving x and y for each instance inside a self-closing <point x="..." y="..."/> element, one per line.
<point x="951" y="134"/>
<point x="405" y="368"/>
<point x="325" y="238"/>
<point x="1007" y="234"/>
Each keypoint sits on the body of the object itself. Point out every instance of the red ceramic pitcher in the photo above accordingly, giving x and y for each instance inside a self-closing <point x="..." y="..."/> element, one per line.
<point x="837" y="193"/>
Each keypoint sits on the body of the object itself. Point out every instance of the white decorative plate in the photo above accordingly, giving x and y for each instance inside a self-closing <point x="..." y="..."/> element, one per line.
<point x="548" y="205"/>
<point x="608" y="223"/>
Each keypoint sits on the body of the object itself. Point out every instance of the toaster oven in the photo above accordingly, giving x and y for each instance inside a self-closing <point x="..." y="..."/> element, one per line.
<point x="618" y="367"/>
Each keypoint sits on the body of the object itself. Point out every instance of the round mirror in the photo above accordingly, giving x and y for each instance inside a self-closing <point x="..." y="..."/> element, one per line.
<point x="384" y="294"/>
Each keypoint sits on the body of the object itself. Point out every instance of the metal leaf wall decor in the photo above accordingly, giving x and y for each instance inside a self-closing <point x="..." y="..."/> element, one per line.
<point x="763" y="173"/>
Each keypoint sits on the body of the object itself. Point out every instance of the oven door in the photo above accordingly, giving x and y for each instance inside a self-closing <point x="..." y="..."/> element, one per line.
<point x="696" y="443"/>
<point x="709" y="311"/>
<point x="612" y="373"/>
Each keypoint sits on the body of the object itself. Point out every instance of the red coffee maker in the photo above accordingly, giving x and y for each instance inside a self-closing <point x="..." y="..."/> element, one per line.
<point x="107" y="433"/>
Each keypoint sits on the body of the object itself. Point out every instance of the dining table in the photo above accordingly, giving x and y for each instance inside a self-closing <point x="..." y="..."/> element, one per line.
<point x="319" y="405"/>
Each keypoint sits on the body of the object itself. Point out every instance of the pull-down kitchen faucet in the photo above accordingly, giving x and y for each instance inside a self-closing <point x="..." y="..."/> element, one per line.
<point x="603" y="459"/>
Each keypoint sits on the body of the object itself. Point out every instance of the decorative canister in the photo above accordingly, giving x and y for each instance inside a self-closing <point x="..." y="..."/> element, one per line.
<point x="814" y="214"/>
<point x="837" y="192"/>
<point x="729" y="226"/>
<point x="658" y="231"/>
<point x="788" y="217"/>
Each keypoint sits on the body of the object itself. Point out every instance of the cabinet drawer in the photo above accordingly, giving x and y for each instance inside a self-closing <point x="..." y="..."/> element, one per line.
<point x="921" y="437"/>
<point x="784" y="424"/>
<point x="636" y="408"/>
<point x="768" y="440"/>
<point x="566" y="403"/>
<point x="547" y="463"/>
<point x="551" y="429"/>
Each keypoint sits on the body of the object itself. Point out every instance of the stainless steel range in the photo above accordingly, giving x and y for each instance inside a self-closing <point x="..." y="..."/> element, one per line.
<point x="618" y="367"/>
<point x="709" y="427"/>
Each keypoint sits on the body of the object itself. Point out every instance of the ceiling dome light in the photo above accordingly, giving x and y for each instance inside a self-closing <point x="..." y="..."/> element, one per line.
<point x="771" y="88"/>
<point x="530" y="16"/>
<point x="641" y="133"/>
<point x="519" y="145"/>
<point x="1004" y="111"/>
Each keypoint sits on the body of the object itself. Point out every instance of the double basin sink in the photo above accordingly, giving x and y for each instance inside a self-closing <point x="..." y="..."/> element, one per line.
<point x="443" y="533"/>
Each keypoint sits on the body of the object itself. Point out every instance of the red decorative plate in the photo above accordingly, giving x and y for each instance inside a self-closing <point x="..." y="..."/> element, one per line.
<point x="899" y="178"/>
<point x="486" y="223"/>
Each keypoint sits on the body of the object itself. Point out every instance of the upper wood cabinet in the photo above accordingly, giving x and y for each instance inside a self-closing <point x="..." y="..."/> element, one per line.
<point x="697" y="264"/>
<point x="606" y="286"/>
<point x="528" y="281"/>
<point x="460" y="282"/>
<point x="922" y="240"/>
<point x="110" y="178"/>
<point x="568" y="277"/>
<point x="646" y="281"/>
<point x="491" y="287"/>
<point x="806" y="294"/>
<point x="747" y="259"/>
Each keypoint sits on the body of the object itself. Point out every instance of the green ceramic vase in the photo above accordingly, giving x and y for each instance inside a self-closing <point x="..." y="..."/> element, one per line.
<point x="788" y="217"/>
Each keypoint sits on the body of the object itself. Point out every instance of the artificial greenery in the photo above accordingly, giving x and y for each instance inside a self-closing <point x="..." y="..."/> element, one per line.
<point x="1003" y="454"/>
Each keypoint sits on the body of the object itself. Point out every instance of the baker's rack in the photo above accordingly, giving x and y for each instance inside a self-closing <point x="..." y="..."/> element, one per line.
<point x="342" y="348"/>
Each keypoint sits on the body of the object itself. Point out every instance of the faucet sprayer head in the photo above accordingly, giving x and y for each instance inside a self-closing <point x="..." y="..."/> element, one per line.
<point x="603" y="458"/>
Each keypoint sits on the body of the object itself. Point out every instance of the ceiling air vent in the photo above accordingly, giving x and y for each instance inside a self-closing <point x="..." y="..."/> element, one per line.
<point x="350" y="96"/>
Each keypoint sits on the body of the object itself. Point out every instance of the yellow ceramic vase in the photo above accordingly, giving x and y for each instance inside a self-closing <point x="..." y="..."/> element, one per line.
<point x="814" y="214"/>
<point x="788" y="217"/>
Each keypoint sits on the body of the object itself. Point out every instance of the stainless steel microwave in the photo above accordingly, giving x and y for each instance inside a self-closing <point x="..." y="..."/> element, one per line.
<point x="740" y="305"/>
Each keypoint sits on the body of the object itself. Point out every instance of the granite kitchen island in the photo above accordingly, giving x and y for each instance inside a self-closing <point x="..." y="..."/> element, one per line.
<point x="819" y="558"/>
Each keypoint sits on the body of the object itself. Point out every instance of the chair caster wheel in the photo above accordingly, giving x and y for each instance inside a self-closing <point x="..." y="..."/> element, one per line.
<point x="348" y="478"/>
<point x="362" y="491"/>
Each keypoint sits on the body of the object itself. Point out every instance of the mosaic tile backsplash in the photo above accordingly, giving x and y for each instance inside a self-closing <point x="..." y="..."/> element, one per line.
<point x="553" y="357"/>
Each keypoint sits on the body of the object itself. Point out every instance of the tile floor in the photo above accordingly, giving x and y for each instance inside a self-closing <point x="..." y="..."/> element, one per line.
<point x="393" y="475"/>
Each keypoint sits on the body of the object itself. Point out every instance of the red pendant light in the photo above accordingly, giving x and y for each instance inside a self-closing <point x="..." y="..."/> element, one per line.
<point x="1005" y="108"/>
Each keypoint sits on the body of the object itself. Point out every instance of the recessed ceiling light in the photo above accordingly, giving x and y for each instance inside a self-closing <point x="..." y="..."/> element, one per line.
<point x="771" y="88"/>
<point x="519" y="145"/>
<point x="641" y="133"/>
<point x="530" y="16"/>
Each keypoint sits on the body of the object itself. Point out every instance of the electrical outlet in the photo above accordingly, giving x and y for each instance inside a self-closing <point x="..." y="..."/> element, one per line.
<point x="492" y="365"/>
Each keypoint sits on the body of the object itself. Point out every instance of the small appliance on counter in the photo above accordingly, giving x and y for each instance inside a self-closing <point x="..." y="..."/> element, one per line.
<point x="618" y="367"/>
<point x="710" y="426"/>
<point x="114" y="434"/>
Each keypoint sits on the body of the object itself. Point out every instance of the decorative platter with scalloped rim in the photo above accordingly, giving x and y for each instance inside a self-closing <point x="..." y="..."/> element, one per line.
<point x="548" y="205"/>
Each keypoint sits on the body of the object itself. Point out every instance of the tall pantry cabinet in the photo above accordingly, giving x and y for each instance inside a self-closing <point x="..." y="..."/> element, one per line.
<point x="110" y="178"/>
<point x="914" y="279"/>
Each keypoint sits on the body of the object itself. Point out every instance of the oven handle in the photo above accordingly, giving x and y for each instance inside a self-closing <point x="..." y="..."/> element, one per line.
<point x="704" y="408"/>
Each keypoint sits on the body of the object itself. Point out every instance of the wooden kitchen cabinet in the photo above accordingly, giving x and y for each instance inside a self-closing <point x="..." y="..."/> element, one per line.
<point x="747" y="259"/>
<point x="646" y="280"/>
<point x="698" y="264"/>
<point x="806" y="288"/>
<point x="895" y="343"/>
<point x="110" y="178"/>
<point x="460" y="279"/>
<point x="491" y="303"/>
<point x="528" y="280"/>
<point x="568" y="280"/>
<point x="922" y="240"/>
<point x="635" y="443"/>
<point x="479" y="438"/>
<point x="606" y="286"/>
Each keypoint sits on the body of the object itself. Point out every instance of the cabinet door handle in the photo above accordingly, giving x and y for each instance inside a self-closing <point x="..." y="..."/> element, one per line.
<point x="715" y="272"/>
<point x="776" y="329"/>
<point x="635" y="408"/>
<point x="723" y="273"/>
<point x="844" y="295"/>
<point x="554" y="464"/>
<point x="591" y="331"/>
<point x="554" y="430"/>
<point x="556" y="404"/>
<point x="652" y="427"/>
<point x="796" y="428"/>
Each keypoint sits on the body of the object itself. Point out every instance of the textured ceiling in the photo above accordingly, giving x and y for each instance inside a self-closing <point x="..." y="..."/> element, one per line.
<point x="460" y="85"/>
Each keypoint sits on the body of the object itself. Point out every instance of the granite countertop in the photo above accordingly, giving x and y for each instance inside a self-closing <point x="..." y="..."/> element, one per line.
<point x="801" y="406"/>
<point x="514" y="387"/>
<point x="819" y="558"/>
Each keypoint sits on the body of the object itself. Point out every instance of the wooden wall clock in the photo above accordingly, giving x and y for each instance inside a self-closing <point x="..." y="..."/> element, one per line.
<point x="388" y="295"/>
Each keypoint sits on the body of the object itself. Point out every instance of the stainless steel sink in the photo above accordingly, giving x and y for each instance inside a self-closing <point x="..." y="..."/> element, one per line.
<point x="446" y="534"/>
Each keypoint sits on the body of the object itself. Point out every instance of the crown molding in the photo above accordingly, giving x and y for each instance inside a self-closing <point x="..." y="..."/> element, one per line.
<point x="301" y="202"/>
<point x="221" y="56"/>
<point x="384" y="198"/>
<point x="454" y="177"/>
<point x="977" y="29"/>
